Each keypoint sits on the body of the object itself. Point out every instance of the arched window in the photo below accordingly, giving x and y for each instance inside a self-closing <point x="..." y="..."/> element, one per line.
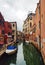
<point x="30" y="24"/>
<point x="13" y="25"/>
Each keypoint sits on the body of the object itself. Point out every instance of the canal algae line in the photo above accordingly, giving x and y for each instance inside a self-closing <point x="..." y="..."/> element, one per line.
<point x="20" y="56"/>
<point x="31" y="55"/>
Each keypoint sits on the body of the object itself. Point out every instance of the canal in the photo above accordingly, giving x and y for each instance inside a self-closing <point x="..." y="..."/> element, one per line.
<point x="26" y="55"/>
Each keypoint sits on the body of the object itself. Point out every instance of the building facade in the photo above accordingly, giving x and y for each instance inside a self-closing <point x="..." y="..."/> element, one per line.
<point x="14" y="30"/>
<point x="28" y="23"/>
<point x="27" y="26"/>
<point x="5" y="31"/>
<point x="42" y="20"/>
<point x="37" y="22"/>
<point x="35" y="27"/>
<point x="8" y="31"/>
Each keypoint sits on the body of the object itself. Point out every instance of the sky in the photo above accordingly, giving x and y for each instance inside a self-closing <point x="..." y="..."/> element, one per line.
<point x="17" y="10"/>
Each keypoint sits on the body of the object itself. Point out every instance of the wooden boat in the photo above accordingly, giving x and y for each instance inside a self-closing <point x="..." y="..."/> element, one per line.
<point x="11" y="50"/>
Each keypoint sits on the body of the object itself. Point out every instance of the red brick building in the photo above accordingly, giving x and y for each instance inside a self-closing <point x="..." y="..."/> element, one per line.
<point x="5" y="30"/>
<point x="8" y="28"/>
<point x="8" y="31"/>
<point x="1" y="29"/>
<point x="42" y="21"/>
<point x="40" y="26"/>
<point x="37" y="22"/>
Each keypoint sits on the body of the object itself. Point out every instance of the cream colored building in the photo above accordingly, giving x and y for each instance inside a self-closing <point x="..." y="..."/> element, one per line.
<point x="28" y="23"/>
<point x="14" y="31"/>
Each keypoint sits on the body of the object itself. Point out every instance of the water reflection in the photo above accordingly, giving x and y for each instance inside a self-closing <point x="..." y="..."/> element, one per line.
<point x="8" y="60"/>
<point x="20" y="56"/>
<point x="15" y="59"/>
<point x="31" y="55"/>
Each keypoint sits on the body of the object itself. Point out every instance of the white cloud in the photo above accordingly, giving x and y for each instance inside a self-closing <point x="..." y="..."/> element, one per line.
<point x="17" y="10"/>
<point x="21" y="14"/>
<point x="6" y="6"/>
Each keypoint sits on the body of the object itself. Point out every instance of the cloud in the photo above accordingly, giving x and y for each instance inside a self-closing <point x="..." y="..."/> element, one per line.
<point x="21" y="14"/>
<point x="17" y="10"/>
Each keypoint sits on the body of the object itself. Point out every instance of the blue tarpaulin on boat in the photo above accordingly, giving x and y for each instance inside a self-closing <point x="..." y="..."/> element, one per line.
<point x="11" y="47"/>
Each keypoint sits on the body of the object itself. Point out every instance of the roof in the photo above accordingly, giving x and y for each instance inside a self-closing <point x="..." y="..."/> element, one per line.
<point x="1" y="17"/>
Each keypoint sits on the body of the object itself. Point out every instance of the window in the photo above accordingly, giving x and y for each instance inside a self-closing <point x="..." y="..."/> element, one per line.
<point x="3" y="32"/>
<point x="39" y="24"/>
<point x="39" y="9"/>
<point x="39" y="41"/>
<point x="26" y="30"/>
<point x="13" y="25"/>
<point x="13" y="37"/>
<point x="1" y="39"/>
<point x="31" y="18"/>
<point x="13" y="31"/>
<point x="30" y="24"/>
<point x="34" y="30"/>
<point x="1" y="22"/>
<point x="9" y="33"/>
<point x="9" y="26"/>
<point x="42" y="15"/>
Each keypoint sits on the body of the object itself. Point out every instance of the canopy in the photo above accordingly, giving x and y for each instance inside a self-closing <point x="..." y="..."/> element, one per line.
<point x="11" y="47"/>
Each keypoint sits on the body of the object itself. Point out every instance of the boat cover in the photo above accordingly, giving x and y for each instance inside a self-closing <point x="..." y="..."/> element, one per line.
<point x="11" y="47"/>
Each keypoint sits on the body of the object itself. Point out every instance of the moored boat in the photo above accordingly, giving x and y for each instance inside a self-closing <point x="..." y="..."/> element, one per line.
<point x="11" y="50"/>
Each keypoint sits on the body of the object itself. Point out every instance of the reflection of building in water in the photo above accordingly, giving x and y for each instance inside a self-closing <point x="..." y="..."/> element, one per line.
<point x="8" y="60"/>
<point x="31" y="56"/>
<point x="20" y="56"/>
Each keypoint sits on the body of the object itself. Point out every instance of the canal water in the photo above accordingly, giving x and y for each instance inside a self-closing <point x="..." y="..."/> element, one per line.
<point x="26" y="55"/>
